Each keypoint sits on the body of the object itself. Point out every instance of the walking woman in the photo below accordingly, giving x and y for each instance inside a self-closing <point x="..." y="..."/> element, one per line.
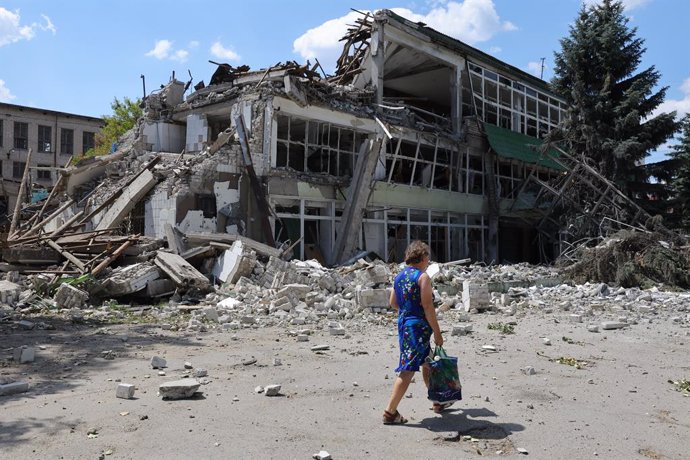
<point x="413" y="298"/>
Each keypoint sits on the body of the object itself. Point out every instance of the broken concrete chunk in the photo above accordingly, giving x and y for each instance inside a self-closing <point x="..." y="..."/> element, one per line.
<point x="198" y="373"/>
<point x="24" y="354"/>
<point x="461" y="329"/>
<point x="179" y="389"/>
<point x="234" y="263"/>
<point x="529" y="370"/>
<point x="9" y="292"/>
<point x="322" y="455"/>
<point x="272" y="390"/>
<point x="125" y="391"/>
<point x="14" y="388"/>
<point x="158" y="363"/>
<point x="26" y="325"/>
<point x="180" y="271"/>
<point x="67" y="296"/>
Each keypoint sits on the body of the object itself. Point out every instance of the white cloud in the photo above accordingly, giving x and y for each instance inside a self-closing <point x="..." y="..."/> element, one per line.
<point x="5" y="93"/>
<point x="49" y="26"/>
<point x="681" y="106"/>
<point x="471" y="21"/>
<point x="193" y="44"/>
<point x="163" y="49"/>
<point x="495" y="49"/>
<point x="11" y="30"/>
<point x="628" y="4"/>
<point x="221" y="52"/>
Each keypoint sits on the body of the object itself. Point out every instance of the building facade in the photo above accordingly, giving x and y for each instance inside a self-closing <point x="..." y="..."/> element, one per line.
<point x="54" y="138"/>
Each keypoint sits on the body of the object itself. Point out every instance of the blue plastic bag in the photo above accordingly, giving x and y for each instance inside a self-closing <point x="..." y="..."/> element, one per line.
<point x="444" y="381"/>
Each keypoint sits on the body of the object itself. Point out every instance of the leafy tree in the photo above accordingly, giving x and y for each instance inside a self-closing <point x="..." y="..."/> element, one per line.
<point x="610" y="106"/>
<point x="124" y="117"/>
<point x="680" y="182"/>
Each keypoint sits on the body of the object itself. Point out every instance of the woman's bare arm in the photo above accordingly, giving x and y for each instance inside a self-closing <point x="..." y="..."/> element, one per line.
<point x="393" y="300"/>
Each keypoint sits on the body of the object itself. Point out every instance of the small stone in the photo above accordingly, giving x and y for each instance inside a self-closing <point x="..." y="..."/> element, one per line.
<point x="593" y="328"/>
<point x="546" y="340"/>
<point x="188" y="365"/>
<point x="277" y="362"/>
<point x="259" y="389"/>
<point x="26" y="325"/>
<point x="158" y="363"/>
<point x="302" y="338"/>
<point x="522" y="450"/>
<point x="488" y="348"/>
<point x="125" y="391"/>
<point x="322" y="455"/>
<point x="198" y="373"/>
<point x="249" y="362"/>
<point x="161" y="373"/>
<point x="529" y="370"/>
<point x="320" y="348"/>
<point x="272" y="390"/>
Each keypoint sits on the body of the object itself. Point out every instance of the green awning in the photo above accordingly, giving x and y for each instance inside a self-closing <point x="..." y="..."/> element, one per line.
<point x="509" y="144"/>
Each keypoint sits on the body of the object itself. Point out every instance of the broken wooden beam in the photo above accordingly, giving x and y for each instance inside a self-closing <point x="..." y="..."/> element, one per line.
<point x="201" y="239"/>
<point x="67" y="255"/>
<point x="117" y="253"/>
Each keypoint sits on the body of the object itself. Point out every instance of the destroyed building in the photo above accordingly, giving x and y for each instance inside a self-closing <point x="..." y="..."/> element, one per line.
<point x="415" y="136"/>
<point x="409" y="139"/>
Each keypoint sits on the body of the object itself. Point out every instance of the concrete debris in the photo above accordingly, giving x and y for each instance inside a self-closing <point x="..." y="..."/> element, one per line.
<point x="158" y="363"/>
<point x="68" y="296"/>
<point x="179" y="389"/>
<point x="529" y="370"/>
<point x="272" y="390"/>
<point x="24" y="354"/>
<point x="322" y="455"/>
<point x="12" y="388"/>
<point x="125" y="391"/>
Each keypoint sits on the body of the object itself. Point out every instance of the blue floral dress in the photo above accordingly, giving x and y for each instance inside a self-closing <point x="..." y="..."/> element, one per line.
<point x="414" y="331"/>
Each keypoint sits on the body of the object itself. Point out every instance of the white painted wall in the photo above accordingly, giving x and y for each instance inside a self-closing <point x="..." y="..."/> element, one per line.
<point x="159" y="210"/>
<point x="197" y="133"/>
<point x="164" y="137"/>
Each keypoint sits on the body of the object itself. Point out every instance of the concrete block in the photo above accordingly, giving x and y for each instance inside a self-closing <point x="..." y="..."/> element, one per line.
<point x="125" y="391"/>
<point x="9" y="292"/>
<point x="130" y="279"/>
<point x="475" y="296"/>
<point x="272" y="390"/>
<point x="26" y="325"/>
<point x="461" y="329"/>
<point x="234" y="263"/>
<point x="158" y="363"/>
<point x="178" y="389"/>
<point x="14" y="388"/>
<point x="372" y="298"/>
<point x="575" y="318"/>
<point x="529" y="370"/>
<point x="593" y="328"/>
<point x="68" y="296"/>
<point x="24" y="354"/>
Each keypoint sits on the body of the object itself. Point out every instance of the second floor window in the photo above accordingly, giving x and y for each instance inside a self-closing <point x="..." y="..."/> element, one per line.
<point x="67" y="141"/>
<point x="45" y="138"/>
<point x="21" y="135"/>
<point x="88" y="141"/>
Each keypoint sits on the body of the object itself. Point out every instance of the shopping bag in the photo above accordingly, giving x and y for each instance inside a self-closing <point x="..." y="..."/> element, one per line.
<point x="444" y="382"/>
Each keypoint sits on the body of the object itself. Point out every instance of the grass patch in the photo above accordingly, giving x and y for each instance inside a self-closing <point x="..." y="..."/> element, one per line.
<point x="503" y="328"/>
<point x="571" y="362"/>
<point x="682" y="385"/>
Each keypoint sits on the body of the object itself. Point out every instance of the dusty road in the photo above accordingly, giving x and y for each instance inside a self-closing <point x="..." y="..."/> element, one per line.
<point x="619" y="405"/>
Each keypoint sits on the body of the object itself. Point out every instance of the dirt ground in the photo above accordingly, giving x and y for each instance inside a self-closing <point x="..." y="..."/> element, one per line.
<point x="619" y="405"/>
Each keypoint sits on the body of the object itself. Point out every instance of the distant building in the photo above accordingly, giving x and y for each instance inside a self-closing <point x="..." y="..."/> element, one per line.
<point x="53" y="136"/>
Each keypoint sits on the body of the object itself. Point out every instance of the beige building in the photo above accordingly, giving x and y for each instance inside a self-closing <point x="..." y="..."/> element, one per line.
<point x="53" y="136"/>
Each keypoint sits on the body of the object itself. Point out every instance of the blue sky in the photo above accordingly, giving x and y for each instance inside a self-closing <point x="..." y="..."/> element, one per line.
<point x="77" y="55"/>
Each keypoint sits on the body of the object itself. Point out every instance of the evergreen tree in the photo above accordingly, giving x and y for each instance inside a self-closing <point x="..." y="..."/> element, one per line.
<point x="609" y="118"/>
<point x="680" y="181"/>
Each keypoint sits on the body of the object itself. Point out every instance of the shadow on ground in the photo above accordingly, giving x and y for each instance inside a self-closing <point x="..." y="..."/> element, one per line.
<point x="74" y="351"/>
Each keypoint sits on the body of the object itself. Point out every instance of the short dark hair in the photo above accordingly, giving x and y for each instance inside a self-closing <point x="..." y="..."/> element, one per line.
<point x="415" y="252"/>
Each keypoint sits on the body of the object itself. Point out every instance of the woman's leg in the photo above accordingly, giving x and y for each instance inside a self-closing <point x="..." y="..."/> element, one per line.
<point x="425" y="374"/>
<point x="399" y="388"/>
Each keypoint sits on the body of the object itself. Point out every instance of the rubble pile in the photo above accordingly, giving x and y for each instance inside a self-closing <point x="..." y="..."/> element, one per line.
<point x="633" y="258"/>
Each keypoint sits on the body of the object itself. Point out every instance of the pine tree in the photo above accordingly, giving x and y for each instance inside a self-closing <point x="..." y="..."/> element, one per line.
<point x="609" y="119"/>
<point x="680" y="181"/>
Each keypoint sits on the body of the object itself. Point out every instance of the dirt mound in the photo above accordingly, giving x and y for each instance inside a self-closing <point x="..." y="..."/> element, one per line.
<point x="631" y="259"/>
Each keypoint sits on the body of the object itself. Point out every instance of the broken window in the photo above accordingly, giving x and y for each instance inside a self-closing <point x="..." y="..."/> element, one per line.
<point x="66" y="141"/>
<point x="88" y="141"/>
<point x="18" y="169"/>
<point x="312" y="146"/>
<point x="207" y="204"/>
<point x="45" y="139"/>
<point x="21" y="135"/>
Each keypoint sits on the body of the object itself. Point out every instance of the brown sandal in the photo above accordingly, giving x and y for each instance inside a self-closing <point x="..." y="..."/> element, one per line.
<point x="393" y="419"/>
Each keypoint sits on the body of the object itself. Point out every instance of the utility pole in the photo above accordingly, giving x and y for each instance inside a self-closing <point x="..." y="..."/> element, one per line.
<point x="541" y="76"/>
